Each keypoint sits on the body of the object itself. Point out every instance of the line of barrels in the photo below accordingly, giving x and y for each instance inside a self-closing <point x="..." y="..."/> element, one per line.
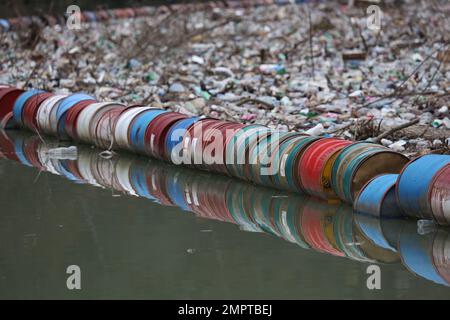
<point x="23" y="22"/>
<point x="329" y="168"/>
<point x="305" y="221"/>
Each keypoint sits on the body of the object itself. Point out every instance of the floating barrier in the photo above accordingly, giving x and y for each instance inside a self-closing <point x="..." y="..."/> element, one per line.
<point x="327" y="168"/>
<point x="309" y="223"/>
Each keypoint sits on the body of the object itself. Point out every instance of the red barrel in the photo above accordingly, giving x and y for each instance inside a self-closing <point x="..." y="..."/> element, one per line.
<point x="7" y="98"/>
<point x="155" y="134"/>
<point x="314" y="179"/>
<point x="30" y="109"/>
<point x="439" y="195"/>
<point x="72" y="115"/>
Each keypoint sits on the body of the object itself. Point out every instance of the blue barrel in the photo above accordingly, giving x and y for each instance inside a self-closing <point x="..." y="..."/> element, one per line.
<point x="377" y="197"/>
<point x="416" y="253"/>
<point x="65" y="105"/>
<point x="179" y="128"/>
<point x="139" y="126"/>
<point x="20" y="102"/>
<point x="414" y="183"/>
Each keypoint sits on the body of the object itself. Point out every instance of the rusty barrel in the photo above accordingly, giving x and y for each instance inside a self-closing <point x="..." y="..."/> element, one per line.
<point x="440" y="195"/>
<point x="359" y="162"/>
<point x="414" y="182"/>
<point x="8" y="97"/>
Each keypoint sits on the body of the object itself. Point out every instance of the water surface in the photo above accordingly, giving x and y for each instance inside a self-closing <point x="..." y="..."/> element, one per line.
<point x="232" y="240"/>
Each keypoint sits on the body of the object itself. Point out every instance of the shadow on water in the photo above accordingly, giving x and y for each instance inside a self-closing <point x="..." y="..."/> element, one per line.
<point x="155" y="230"/>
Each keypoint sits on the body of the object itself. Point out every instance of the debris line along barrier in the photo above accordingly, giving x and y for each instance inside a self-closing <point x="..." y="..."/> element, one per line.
<point x="328" y="168"/>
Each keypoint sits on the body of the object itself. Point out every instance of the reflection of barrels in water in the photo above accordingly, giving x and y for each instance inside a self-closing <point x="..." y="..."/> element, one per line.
<point x="441" y="254"/>
<point x="287" y="211"/>
<point x="373" y="230"/>
<point x="317" y="226"/>
<point x="238" y="206"/>
<point x="343" y="229"/>
<point x="417" y="253"/>
<point x="298" y="219"/>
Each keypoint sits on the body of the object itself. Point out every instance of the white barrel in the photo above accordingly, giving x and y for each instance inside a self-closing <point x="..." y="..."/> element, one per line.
<point x="123" y="124"/>
<point x="101" y="124"/>
<point x="46" y="109"/>
<point x="84" y="121"/>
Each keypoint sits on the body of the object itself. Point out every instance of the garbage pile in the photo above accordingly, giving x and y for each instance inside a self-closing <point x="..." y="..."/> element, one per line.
<point x="314" y="66"/>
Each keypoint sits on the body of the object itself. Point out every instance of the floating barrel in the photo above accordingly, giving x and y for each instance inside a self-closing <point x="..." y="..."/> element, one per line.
<point x="8" y="97"/>
<point x="233" y="147"/>
<point x="102" y="126"/>
<point x="46" y="114"/>
<point x="357" y="163"/>
<point x="414" y="183"/>
<point x="138" y="127"/>
<point x="440" y="195"/>
<point x="192" y="142"/>
<point x="377" y="197"/>
<point x="121" y="129"/>
<point x="289" y="151"/>
<point x="156" y="131"/>
<point x="70" y="123"/>
<point x="20" y="102"/>
<point x="174" y="137"/>
<point x="314" y="166"/>
<point x="65" y="105"/>
<point x="30" y="109"/>
<point x="262" y="165"/>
